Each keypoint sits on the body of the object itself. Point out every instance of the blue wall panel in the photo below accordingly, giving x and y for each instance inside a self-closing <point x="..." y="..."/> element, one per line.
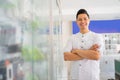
<point x="101" y="26"/>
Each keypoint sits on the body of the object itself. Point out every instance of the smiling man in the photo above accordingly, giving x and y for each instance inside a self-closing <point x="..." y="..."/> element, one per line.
<point x="84" y="49"/>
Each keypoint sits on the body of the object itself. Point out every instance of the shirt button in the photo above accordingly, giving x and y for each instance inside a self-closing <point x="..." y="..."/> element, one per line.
<point x="79" y="64"/>
<point x="82" y="41"/>
<point x="81" y="47"/>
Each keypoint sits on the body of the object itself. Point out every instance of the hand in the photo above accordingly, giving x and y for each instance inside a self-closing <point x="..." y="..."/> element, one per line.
<point x="74" y="51"/>
<point x="65" y="56"/>
<point x="94" y="47"/>
<point x="71" y="57"/>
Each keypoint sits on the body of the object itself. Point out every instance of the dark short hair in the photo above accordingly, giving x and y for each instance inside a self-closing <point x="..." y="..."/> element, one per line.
<point x="82" y="11"/>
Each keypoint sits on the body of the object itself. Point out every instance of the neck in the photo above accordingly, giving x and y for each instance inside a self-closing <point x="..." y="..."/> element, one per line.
<point x="84" y="31"/>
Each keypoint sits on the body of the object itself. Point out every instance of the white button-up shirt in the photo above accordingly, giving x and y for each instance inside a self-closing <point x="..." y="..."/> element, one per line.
<point x="85" y="69"/>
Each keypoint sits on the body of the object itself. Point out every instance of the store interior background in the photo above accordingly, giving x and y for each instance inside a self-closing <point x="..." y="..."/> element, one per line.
<point x="33" y="34"/>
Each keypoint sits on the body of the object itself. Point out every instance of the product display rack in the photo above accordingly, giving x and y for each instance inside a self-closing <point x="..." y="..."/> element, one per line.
<point x="30" y="34"/>
<point x="112" y="43"/>
<point x="110" y="54"/>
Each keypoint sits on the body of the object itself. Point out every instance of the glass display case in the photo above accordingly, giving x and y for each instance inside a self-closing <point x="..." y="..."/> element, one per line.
<point x="112" y="43"/>
<point x="111" y="53"/>
<point x="30" y="40"/>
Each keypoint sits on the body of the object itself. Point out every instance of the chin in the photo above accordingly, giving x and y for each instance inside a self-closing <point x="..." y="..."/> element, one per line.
<point x="83" y="28"/>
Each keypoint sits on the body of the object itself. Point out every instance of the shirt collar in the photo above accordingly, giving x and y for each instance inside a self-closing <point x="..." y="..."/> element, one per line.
<point x="84" y="33"/>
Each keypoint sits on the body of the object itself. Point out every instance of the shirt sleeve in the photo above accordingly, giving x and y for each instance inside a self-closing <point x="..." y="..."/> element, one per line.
<point x="68" y="46"/>
<point x="100" y="42"/>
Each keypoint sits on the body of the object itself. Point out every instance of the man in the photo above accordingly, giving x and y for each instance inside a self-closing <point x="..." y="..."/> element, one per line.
<point x="84" y="49"/>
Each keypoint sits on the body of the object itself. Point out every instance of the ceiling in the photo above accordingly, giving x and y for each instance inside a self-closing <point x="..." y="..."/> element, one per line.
<point x="97" y="9"/>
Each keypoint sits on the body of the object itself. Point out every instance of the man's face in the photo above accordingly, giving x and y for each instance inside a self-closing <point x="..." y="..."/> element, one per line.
<point x="83" y="21"/>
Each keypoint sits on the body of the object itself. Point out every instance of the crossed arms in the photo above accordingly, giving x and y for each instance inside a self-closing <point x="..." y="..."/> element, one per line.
<point x="79" y="54"/>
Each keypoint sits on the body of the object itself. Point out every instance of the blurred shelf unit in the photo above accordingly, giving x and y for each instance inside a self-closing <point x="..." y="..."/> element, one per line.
<point x="10" y="53"/>
<point x="112" y="43"/>
<point x="111" y="52"/>
<point x="9" y="34"/>
<point x="10" y="39"/>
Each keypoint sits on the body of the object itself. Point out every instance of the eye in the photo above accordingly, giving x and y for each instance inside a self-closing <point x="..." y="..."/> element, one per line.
<point x="85" y="19"/>
<point x="79" y="19"/>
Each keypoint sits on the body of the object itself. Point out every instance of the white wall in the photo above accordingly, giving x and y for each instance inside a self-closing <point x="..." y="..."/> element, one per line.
<point x="67" y="32"/>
